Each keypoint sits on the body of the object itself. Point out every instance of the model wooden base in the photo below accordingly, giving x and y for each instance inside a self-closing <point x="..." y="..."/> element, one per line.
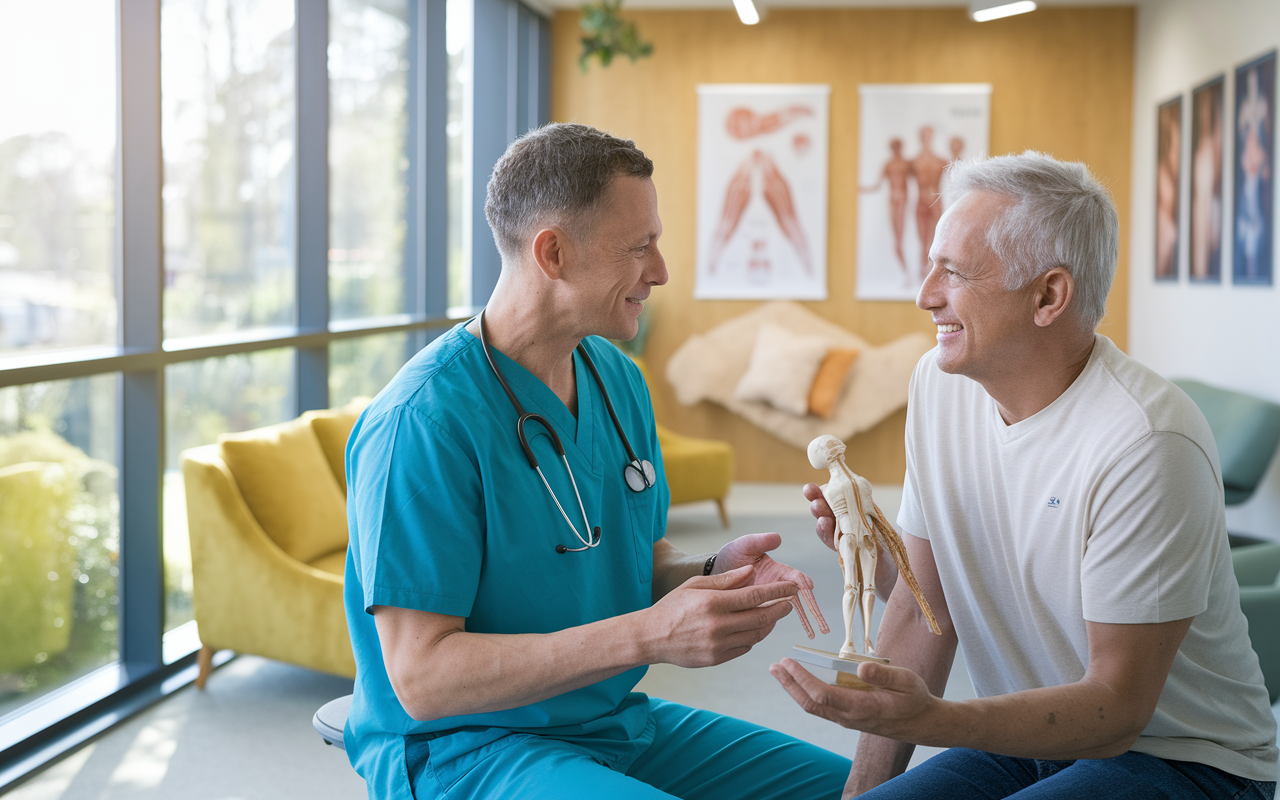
<point x="846" y="667"/>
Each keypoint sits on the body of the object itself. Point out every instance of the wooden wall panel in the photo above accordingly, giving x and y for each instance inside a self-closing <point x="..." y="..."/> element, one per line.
<point x="1062" y="81"/>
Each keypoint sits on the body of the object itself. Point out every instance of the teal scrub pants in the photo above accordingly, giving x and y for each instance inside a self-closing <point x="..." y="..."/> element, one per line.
<point x="693" y="755"/>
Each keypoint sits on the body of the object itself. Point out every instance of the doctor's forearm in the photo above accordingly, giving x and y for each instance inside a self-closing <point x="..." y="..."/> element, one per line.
<point x="453" y="672"/>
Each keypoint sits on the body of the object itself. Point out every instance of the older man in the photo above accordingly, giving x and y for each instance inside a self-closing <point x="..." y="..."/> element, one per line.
<point x="508" y="579"/>
<point x="1063" y="512"/>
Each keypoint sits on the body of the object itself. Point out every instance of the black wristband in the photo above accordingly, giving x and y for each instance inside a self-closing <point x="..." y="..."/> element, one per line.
<point x="710" y="565"/>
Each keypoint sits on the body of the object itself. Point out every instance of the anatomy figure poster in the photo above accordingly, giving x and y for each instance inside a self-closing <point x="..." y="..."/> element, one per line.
<point x="762" y="192"/>
<point x="909" y="134"/>
<point x="1254" y="124"/>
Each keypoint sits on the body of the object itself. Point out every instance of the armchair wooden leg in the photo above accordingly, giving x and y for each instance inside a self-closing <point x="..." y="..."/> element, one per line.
<point x="205" y="659"/>
<point x="724" y="512"/>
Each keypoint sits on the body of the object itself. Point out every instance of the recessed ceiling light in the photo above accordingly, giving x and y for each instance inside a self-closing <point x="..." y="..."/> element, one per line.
<point x="746" y="12"/>
<point x="987" y="11"/>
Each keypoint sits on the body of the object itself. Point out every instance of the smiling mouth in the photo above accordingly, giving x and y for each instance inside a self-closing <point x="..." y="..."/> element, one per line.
<point x="949" y="328"/>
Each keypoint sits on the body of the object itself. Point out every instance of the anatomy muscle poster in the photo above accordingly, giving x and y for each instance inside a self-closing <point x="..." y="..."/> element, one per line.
<point x="909" y="134"/>
<point x="762" y="192"/>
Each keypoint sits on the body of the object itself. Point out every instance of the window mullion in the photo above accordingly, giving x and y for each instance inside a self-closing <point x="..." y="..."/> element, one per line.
<point x="140" y="272"/>
<point x="426" y="246"/>
<point x="311" y="148"/>
<point x="489" y="129"/>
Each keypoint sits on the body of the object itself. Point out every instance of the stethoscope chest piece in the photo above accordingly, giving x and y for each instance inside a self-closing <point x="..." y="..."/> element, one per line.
<point x="639" y="475"/>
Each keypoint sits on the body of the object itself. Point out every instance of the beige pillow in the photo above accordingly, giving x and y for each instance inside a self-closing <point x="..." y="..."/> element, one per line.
<point x="288" y="485"/>
<point x="782" y="368"/>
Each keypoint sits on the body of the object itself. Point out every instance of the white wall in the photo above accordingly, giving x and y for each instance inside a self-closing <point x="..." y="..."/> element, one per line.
<point x="1224" y="335"/>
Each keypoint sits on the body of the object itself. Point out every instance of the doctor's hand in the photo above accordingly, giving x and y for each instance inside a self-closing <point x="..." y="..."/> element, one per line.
<point x="897" y="705"/>
<point x="754" y="549"/>
<point x="708" y="620"/>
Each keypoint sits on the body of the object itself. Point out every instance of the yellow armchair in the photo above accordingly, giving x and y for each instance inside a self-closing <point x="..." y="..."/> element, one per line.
<point x="697" y="469"/>
<point x="267" y="521"/>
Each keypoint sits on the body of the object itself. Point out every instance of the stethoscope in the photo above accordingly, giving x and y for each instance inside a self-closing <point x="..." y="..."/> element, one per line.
<point x="638" y="473"/>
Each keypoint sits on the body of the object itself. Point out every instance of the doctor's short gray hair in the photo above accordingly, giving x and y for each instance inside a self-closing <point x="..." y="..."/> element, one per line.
<point x="556" y="175"/>
<point x="1061" y="216"/>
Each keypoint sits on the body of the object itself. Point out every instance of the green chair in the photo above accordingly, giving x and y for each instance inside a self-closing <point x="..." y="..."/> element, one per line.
<point x="1246" y="430"/>
<point x="1257" y="566"/>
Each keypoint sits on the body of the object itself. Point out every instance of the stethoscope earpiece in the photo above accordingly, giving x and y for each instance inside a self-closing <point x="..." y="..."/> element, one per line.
<point x="639" y="474"/>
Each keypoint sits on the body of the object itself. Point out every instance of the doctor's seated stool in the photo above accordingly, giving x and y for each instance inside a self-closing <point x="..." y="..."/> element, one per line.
<point x="331" y="719"/>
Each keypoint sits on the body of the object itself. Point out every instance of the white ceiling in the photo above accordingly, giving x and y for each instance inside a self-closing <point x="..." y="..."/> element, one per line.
<point x="728" y="4"/>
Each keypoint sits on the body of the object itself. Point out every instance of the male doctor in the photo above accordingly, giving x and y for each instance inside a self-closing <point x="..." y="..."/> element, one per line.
<point x="501" y="614"/>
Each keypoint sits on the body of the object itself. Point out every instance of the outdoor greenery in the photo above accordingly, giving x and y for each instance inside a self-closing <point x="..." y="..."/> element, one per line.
<point x="83" y="531"/>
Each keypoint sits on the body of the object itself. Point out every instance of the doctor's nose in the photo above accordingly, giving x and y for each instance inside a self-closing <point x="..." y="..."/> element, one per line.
<point x="656" y="271"/>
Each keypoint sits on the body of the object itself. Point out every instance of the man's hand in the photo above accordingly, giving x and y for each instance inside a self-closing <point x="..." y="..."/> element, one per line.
<point x="826" y="521"/>
<point x="895" y="705"/>
<point x="709" y="620"/>
<point x="753" y="549"/>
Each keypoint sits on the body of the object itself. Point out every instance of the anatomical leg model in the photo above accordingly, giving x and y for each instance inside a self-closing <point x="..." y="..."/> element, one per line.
<point x="861" y="529"/>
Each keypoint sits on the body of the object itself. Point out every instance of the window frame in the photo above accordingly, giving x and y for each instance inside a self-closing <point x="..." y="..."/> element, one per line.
<point x="512" y="97"/>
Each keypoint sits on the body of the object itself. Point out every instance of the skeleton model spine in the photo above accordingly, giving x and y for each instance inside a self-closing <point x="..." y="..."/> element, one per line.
<point x="859" y="535"/>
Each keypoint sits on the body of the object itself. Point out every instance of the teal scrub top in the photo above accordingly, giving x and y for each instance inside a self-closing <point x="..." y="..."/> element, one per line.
<point x="447" y="516"/>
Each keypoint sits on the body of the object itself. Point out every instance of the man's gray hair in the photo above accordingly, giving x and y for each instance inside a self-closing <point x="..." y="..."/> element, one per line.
<point x="1061" y="216"/>
<point x="556" y="174"/>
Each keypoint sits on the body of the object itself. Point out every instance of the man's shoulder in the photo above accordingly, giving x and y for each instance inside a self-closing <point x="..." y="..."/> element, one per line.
<point x="422" y="385"/>
<point x="1161" y="405"/>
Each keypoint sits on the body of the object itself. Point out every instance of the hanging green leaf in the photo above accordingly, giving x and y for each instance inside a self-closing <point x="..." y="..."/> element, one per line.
<point x="608" y="35"/>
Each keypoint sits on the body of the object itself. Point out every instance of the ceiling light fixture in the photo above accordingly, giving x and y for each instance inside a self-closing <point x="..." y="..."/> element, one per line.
<point x="989" y="10"/>
<point x="746" y="12"/>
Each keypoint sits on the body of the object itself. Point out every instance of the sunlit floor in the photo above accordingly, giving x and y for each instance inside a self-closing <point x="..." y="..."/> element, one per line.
<point x="249" y="735"/>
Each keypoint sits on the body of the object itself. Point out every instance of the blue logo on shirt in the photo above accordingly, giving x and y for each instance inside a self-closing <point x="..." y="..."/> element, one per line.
<point x="1054" y="502"/>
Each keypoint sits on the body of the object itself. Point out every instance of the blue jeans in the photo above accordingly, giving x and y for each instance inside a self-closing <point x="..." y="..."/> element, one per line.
<point x="975" y="775"/>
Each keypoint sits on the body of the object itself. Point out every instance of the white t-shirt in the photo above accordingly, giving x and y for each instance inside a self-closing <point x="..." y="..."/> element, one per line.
<point x="1105" y="506"/>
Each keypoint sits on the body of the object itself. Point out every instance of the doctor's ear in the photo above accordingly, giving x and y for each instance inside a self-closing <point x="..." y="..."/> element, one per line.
<point x="547" y="250"/>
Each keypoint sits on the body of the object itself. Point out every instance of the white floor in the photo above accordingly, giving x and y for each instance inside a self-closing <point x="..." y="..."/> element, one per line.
<point x="248" y="735"/>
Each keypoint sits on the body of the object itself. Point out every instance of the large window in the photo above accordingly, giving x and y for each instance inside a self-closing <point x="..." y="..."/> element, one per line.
<point x="217" y="215"/>
<point x="57" y="183"/>
<point x="369" y="170"/>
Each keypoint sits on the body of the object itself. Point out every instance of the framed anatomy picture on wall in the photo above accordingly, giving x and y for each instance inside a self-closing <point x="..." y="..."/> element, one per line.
<point x="762" y="192"/>
<point x="1254" y="165"/>
<point x="1168" y="187"/>
<point x="908" y="134"/>
<point x="1206" y="182"/>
